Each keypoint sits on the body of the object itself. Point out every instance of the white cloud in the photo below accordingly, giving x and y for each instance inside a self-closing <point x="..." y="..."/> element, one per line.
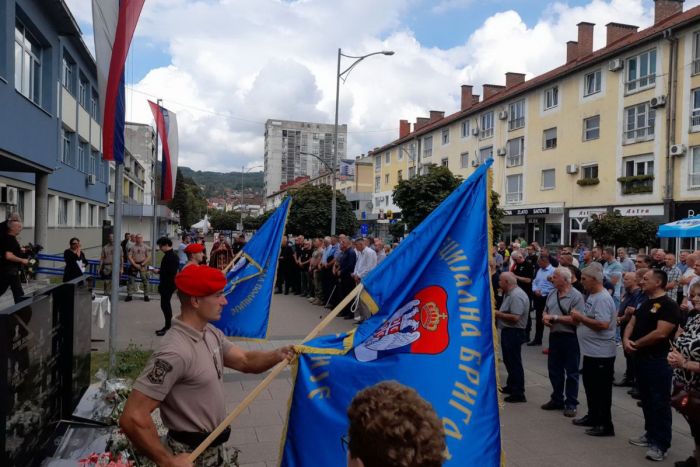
<point x="236" y="63"/>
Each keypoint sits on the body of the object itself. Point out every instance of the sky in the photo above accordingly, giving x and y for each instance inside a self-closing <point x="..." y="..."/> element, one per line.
<point x="226" y="66"/>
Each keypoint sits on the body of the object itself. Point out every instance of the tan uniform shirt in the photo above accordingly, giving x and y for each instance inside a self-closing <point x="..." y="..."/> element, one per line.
<point x="186" y="375"/>
<point x="139" y="253"/>
<point x="107" y="254"/>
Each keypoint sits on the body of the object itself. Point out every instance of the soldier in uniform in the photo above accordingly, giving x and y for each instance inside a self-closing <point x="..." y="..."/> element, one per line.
<point x="139" y="259"/>
<point x="184" y="377"/>
<point x="105" y="268"/>
<point x="195" y="255"/>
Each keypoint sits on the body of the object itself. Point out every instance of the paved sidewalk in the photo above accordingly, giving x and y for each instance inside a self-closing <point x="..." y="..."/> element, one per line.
<point x="531" y="436"/>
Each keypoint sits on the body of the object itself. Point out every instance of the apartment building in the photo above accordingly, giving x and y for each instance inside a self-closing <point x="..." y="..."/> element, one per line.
<point x="287" y="148"/>
<point x="51" y="169"/>
<point x="614" y="129"/>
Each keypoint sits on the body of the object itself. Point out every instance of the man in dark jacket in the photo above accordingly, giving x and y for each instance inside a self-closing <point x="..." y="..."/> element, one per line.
<point x="344" y="270"/>
<point x="166" y="287"/>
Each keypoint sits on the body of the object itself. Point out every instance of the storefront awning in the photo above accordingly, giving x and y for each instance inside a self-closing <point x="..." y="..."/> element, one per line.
<point x="684" y="228"/>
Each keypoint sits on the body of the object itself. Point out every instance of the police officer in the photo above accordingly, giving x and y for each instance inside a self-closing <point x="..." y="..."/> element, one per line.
<point x="184" y="377"/>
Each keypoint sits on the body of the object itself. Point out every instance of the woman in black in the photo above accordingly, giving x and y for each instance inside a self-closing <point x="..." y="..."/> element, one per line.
<point x="166" y="287"/>
<point x="76" y="263"/>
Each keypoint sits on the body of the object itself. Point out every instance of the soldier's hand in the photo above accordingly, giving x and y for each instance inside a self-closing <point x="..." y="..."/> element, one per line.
<point x="180" y="460"/>
<point x="287" y="352"/>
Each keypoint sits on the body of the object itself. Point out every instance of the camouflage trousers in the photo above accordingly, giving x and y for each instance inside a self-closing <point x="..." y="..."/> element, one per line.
<point x="218" y="456"/>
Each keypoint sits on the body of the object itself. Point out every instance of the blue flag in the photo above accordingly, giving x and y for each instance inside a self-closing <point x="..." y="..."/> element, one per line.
<point x="252" y="279"/>
<point x="431" y="329"/>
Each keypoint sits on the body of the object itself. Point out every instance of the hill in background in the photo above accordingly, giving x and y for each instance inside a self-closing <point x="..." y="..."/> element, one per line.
<point x="215" y="184"/>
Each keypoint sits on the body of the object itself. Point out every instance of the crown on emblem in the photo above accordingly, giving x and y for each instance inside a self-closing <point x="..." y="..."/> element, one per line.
<point x="431" y="316"/>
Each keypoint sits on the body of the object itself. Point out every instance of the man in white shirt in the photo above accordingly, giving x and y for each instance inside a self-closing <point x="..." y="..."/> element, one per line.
<point x="366" y="260"/>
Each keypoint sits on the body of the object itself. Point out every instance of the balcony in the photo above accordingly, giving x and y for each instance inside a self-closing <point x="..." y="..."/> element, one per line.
<point x="637" y="184"/>
<point x="144" y="210"/>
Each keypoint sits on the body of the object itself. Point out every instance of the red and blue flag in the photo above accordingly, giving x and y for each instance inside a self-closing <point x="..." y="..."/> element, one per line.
<point x="166" y="123"/>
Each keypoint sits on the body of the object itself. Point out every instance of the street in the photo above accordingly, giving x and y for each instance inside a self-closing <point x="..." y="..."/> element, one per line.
<point x="531" y="436"/>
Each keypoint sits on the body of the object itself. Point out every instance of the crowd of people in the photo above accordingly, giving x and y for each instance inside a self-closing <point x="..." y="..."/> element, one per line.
<point x="326" y="270"/>
<point x="594" y="301"/>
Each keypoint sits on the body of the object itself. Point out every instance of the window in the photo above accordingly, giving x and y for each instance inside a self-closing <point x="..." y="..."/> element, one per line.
<point x="485" y="153"/>
<point x="95" y="105"/>
<point x="487" y="125"/>
<point x="589" y="172"/>
<point x="445" y="136"/>
<point x="514" y="188"/>
<point x="591" y="128"/>
<point x="515" y="148"/>
<point x="377" y="164"/>
<point x="696" y="53"/>
<point x="464" y="160"/>
<point x="377" y="183"/>
<point x="27" y="64"/>
<point x="412" y="152"/>
<point x="639" y="166"/>
<point x="464" y="126"/>
<point x="91" y="214"/>
<point x="551" y="97"/>
<point x="516" y="115"/>
<point x="411" y="172"/>
<point x="67" y="152"/>
<point x="386" y="179"/>
<point x="83" y="91"/>
<point x="399" y="175"/>
<point x="399" y="154"/>
<point x="427" y="147"/>
<point x="62" y="211"/>
<point x="548" y="180"/>
<point x="92" y="168"/>
<point x="387" y="157"/>
<point x="78" y="214"/>
<point x="444" y="162"/>
<point x="21" y="203"/>
<point x="694" y="172"/>
<point x="639" y="124"/>
<point x="695" y="111"/>
<point x="638" y="174"/>
<point x="550" y="138"/>
<point x="82" y="162"/>
<point x="67" y="74"/>
<point x="591" y="83"/>
<point x="641" y="71"/>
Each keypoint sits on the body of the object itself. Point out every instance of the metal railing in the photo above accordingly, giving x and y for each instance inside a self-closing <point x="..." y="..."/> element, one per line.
<point x="516" y="123"/>
<point x="92" y="268"/>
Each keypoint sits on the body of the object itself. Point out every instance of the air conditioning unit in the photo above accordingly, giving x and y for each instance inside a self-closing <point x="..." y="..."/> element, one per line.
<point x="501" y="152"/>
<point x="475" y="163"/>
<point x="572" y="169"/>
<point x="677" y="150"/>
<point x="91" y="179"/>
<point x="616" y="64"/>
<point x="503" y="115"/>
<point x="8" y="195"/>
<point x="657" y="102"/>
<point x="475" y="131"/>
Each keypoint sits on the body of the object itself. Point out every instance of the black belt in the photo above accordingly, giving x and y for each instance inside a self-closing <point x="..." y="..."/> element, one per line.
<point x="194" y="439"/>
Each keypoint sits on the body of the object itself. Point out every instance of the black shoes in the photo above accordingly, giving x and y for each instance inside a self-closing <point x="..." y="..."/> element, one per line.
<point x="515" y="399"/>
<point x="689" y="462"/>
<point x="146" y="298"/>
<point x="161" y="332"/>
<point x="600" y="431"/>
<point x="128" y="298"/>
<point x="551" y="405"/>
<point x="583" y="421"/>
<point x="504" y="390"/>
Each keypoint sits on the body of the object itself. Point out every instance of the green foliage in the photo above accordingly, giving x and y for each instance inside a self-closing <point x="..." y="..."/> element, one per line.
<point x="635" y="178"/>
<point x="188" y="200"/>
<point x="225" y="220"/>
<point x="254" y="223"/>
<point x="215" y="184"/>
<point x="496" y="214"/>
<point x="617" y="230"/>
<point x="588" y="181"/>
<point x="418" y="196"/>
<point x="130" y="362"/>
<point x="310" y="214"/>
<point x="397" y="230"/>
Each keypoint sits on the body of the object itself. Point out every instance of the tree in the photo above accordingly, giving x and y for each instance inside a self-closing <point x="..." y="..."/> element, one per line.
<point x="254" y="223"/>
<point x="418" y="197"/>
<point x="617" y="230"/>
<point x="310" y="214"/>
<point x="187" y="201"/>
<point x="225" y="220"/>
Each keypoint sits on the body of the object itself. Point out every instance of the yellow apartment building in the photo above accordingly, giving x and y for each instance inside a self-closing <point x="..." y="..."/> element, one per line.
<point x="612" y="129"/>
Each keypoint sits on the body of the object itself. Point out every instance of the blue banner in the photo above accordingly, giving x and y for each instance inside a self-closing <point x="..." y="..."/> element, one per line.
<point x="251" y="281"/>
<point x="431" y="329"/>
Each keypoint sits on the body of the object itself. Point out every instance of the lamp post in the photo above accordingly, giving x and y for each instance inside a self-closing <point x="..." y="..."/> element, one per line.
<point x="343" y="75"/>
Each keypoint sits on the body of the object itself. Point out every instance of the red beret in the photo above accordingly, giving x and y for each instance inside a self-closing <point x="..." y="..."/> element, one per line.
<point x="200" y="281"/>
<point x="194" y="248"/>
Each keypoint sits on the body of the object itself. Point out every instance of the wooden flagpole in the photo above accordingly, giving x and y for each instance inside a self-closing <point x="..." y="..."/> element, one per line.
<point x="233" y="261"/>
<point x="276" y="370"/>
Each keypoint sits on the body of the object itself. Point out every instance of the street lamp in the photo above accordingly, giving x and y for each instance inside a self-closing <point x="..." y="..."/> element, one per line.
<point x="343" y="75"/>
<point x="243" y="172"/>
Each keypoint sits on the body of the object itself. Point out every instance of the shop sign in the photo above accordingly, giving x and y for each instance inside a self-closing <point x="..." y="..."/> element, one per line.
<point x="657" y="210"/>
<point x="684" y="210"/>
<point x="525" y="211"/>
<point x="587" y="212"/>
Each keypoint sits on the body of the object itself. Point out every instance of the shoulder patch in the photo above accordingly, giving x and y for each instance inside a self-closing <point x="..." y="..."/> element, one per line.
<point x="159" y="370"/>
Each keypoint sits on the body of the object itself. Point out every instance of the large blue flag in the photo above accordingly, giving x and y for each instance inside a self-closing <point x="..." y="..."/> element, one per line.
<point x="252" y="279"/>
<point x="431" y="329"/>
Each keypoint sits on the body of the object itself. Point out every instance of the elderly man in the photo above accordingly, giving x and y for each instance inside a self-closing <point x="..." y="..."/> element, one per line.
<point x="11" y="258"/>
<point x="541" y="287"/>
<point x="625" y="261"/>
<point x="674" y="276"/>
<point x="647" y="337"/>
<point x="184" y="377"/>
<point x="512" y="319"/>
<point x="563" y="358"/>
<point x="612" y="271"/>
<point x="643" y="261"/>
<point x="379" y="249"/>
<point x="596" y="324"/>
<point x="686" y="279"/>
<point x="139" y="259"/>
